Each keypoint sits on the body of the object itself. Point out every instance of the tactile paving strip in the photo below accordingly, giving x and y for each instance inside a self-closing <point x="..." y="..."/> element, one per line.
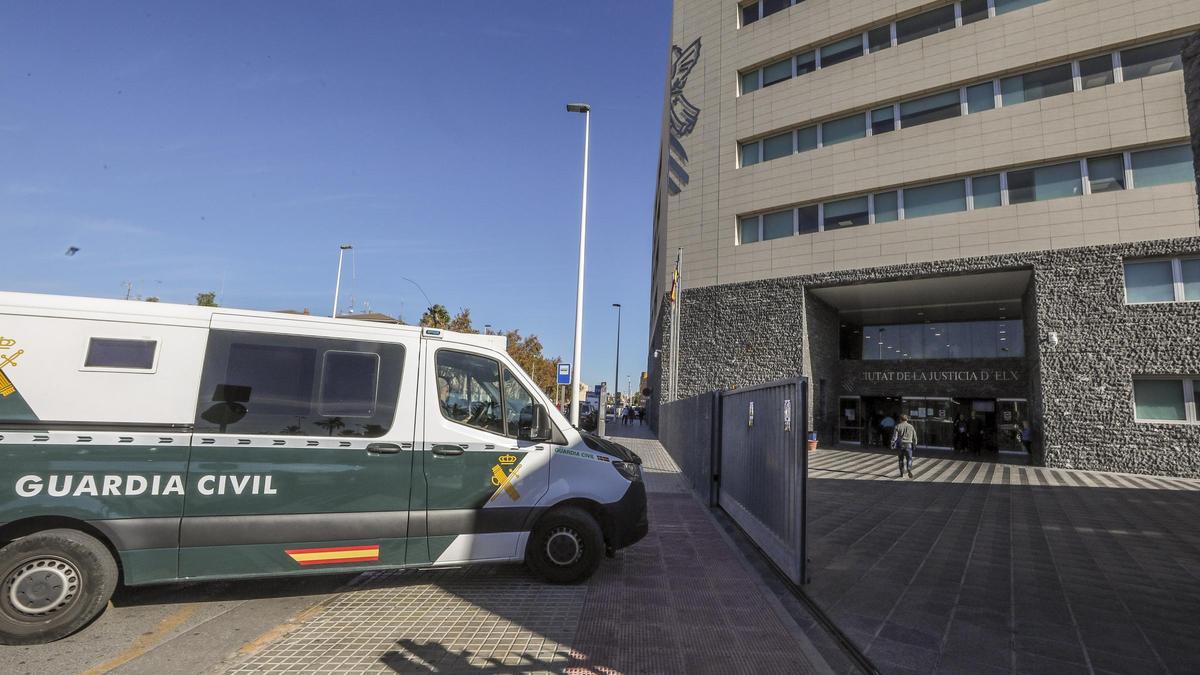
<point x="497" y="619"/>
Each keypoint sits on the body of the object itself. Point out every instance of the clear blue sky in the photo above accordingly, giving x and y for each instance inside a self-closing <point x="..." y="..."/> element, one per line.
<point x="231" y="147"/>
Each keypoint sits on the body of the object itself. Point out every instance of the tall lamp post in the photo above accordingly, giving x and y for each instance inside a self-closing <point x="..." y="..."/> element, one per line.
<point x="576" y="354"/>
<point x="617" y="365"/>
<point x="338" y="286"/>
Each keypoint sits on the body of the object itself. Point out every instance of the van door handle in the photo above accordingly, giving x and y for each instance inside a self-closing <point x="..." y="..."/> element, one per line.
<point x="448" y="450"/>
<point x="383" y="448"/>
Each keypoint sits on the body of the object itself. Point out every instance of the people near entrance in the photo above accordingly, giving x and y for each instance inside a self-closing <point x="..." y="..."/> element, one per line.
<point x="960" y="434"/>
<point x="975" y="434"/>
<point x="886" y="427"/>
<point x="904" y="439"/>
<point x="1027" y="438"/>
<point x="875" y="431"/>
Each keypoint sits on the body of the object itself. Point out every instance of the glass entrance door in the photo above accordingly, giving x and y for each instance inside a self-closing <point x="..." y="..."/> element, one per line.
<point x="934" y="421"/>
<point x="850" y="420"/>
<point x="1011" y="416"/>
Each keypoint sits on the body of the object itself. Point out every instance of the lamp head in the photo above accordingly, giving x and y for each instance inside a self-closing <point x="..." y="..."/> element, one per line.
<point x="345" y="247"/>
<point x="578" y="107"/>
<point x="617" y="305"/>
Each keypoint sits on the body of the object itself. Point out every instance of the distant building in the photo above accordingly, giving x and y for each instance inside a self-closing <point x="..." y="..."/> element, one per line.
<point x="983" y="209"/>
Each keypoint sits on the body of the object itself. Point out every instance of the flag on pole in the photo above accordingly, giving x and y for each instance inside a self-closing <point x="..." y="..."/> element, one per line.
<point x="674" y="295"/>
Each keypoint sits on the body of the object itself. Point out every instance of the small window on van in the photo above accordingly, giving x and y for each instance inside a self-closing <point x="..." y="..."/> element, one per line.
<point x="262" y="383"/>
<point x="349" y="384"/>
<point x="468" y="388"/>
<point x="518" y="407"/>
<point x="121" y="354"/>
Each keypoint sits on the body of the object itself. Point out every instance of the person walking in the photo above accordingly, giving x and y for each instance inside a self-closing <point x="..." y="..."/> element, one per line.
<point x="904" y="439"/>
<point x="1027" y="439"/>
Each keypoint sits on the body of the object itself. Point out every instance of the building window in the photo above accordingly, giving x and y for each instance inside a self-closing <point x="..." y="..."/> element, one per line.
<point x="808" y="219"/>
<point x="845" y="129"/>
<point x="806" y="62"/>
<point x="887" y="207"/>
<point x="807" y="139"/>
<point x="1006" y="6"/>
<point x="777" y="225"/>
<point x="883" y="120"/>
<point x="1096" y="72"/>
<point x="846" y="212"/>
<point x="1163" y="57"/>
<point x="120" y="354"/>
<point x="1044" y="182"/>
<point x="981" y="97"/>
<point x="774" y="147"/>
<point x="1106" y="174"/>
<point x="750" y="81"/>
<point x="879" y="38"/>
<point x="973" y="10"/>
<point x="1162" y="165"/>
<point x="1165" y="400"/>
<point x="1168" y="280"/>
<point x="842" y="50"/>
<point x="952" y="340"/>
<point x="748" y="229"/>
<point x="1050" y="81"/>
<point x="986" y="192"/>
<point x="750" y="153"/>
<point x="930" y="109"/>
<point x="776" y="72"/>
<point x="770" y="7"/>
<point x="925" y="24"/>
<point x="750" y="13"/>
<point x="932" y="200"/>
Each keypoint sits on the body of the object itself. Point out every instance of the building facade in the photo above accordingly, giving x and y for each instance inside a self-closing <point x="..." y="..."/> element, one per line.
<point x="978" y="213"/>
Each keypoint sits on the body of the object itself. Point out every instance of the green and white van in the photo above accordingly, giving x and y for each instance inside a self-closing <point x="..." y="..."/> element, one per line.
<point x="147" y="443"/>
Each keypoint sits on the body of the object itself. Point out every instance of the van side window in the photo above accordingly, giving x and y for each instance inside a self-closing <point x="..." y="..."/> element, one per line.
<point x="469" y="390"/>
<point x="120" y="353"/>
<point x="260" y="383"/>
<point x="518" y="407"/>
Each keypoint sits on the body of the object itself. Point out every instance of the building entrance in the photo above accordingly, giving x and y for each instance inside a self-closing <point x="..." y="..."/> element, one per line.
<point x="978" y="425"/>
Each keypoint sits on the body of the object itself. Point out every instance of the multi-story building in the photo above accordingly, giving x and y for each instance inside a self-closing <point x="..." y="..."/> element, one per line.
<point x="980" y="212"/>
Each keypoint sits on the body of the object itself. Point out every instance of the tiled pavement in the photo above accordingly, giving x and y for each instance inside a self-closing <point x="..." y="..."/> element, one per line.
<point x="981" y="568"/>
<point x="680" y="601"/>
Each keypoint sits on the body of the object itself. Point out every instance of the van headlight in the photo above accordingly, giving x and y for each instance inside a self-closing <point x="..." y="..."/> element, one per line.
<point x="629" y="470"/>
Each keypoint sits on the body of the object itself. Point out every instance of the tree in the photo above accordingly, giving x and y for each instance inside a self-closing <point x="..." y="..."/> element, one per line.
<point x="461" y="323"/>
<point x="207" y="299"/>
<point x="153" y="298"/>
<point x="436" y="317"/>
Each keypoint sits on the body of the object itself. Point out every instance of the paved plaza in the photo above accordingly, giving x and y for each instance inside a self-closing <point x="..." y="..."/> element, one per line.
<point x="683" y="600"/>
<point x="987" y="568"/>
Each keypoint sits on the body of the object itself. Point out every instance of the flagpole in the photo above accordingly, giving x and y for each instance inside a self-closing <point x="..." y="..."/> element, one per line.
<point x="675" y="327"/>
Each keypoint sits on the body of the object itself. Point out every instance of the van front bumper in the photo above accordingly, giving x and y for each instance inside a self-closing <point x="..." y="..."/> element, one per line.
<point x="627" y="519"/>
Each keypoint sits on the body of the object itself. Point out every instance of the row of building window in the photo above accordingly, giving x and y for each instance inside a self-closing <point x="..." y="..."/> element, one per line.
<point x="761" y="9"/>
<point x="875" y="39"/>
<point x="1166" y="399"/>
<point x="1064" y="78"/>
<point x="1168" y="280"/>
<point x="954" y="340"/>
<point x="1106" y="173"/>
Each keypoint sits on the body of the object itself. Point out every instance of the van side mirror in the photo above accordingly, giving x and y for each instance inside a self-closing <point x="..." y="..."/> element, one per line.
<point x="540" y="430"/>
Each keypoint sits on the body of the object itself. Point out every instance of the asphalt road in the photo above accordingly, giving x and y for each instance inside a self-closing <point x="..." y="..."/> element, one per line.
<point x="186" y="628"/>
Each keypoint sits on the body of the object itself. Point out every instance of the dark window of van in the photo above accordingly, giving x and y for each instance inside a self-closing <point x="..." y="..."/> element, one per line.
<point x="119" y="353"/>
<point x="259" y="383"/>
<point x="468" y="389"/>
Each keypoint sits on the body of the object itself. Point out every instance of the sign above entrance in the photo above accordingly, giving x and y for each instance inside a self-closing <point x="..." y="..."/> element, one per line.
<point x="986" y="375"/>
<point x="990" y="378"/>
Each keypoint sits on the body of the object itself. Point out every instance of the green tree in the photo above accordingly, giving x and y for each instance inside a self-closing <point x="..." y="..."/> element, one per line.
<point x="436" y="317"/>
<point x="207" y="299"/>
<point x="461" y="323"/>
<point x="153" y="298"/>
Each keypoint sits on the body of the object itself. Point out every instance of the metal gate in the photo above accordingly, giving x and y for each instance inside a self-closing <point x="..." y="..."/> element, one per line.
<point x="764" y="466"/>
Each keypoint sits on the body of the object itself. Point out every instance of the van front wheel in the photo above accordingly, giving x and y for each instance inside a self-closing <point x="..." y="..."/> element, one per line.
<point x="565" y="546"/>
<point x="52" y="584"/>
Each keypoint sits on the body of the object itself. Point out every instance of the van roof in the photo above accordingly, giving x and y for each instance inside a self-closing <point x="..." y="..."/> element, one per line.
<point x="193" y="315"/>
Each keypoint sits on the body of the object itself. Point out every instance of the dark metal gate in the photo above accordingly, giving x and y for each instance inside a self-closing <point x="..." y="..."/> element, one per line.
<point x="764" y="467"/>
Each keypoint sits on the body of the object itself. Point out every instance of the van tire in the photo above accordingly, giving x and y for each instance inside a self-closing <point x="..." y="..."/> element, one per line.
<point x="52" y="584"/>
<point x="566" y="546"/>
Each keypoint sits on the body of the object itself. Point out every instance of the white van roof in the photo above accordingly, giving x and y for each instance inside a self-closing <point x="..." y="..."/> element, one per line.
<point x="108" y="309"/>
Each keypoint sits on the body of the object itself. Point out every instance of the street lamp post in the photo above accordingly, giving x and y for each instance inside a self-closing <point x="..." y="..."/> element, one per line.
<point x="577" y="353"/>
<point x="338" y="286"/>
<point x="617" y="365"/>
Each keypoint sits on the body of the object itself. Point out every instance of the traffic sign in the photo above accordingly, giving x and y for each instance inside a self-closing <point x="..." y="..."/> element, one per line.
<point x="564" y="373"/>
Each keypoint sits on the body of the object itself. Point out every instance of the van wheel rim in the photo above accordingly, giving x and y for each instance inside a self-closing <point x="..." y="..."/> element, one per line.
<point x="563" y="546"/>
<point x="42" y="586"/>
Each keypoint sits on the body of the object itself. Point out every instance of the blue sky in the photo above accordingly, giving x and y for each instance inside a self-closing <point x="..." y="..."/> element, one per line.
<point x="231" y="147"/>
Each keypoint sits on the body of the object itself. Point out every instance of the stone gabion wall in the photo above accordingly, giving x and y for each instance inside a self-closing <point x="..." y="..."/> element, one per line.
<point x="1191" y="85"/>
<point x="749" y="333"/>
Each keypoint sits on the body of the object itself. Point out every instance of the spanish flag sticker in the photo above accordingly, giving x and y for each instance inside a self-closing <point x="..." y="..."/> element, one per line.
<point x="336" y="554"/>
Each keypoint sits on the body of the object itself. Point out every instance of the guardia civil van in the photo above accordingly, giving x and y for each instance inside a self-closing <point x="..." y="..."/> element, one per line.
<point x="144" y="443"/>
